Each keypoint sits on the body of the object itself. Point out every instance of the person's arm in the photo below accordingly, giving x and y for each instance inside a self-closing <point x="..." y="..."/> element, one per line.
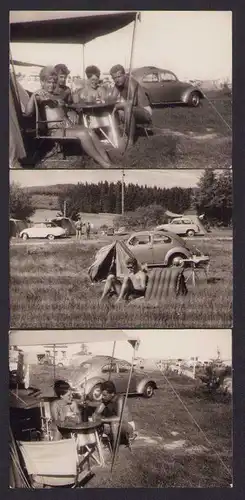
<point x="55" y="413"/>
<point x="143" y="280"/>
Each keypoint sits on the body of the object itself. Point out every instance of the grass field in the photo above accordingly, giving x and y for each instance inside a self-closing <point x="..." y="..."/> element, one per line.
<point x="50" y="288"/>
<point x="159" y="458"/>
<point x="183" y="138"/>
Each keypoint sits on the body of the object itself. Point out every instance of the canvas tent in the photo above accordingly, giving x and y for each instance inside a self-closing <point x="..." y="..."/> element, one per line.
<point x="77" y="27"/>
<point x="65" y="223"/>
<point x="110" y="258"/>
<point x="16" y="226"/>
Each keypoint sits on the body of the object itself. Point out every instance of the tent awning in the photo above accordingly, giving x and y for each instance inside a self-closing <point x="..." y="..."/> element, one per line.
<point x="65" y="26"/>
<point x="43" y="337"/>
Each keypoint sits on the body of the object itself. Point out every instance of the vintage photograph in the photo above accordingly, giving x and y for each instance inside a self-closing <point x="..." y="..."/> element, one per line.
<point x="120" y="249"/>
<point x="120" y="409"/>
<point x="120" y="89"/>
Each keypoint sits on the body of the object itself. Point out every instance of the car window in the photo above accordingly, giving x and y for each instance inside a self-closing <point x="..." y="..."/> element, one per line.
<point x="150" y="78"/>
<point x="39" y="225"/>
<point x="176" y="221"/>
<point x="187" y="221"/>
<point x="166" y="76"/>
<point x="142" y="239"/>
<point x="123" y="367"/>
<point x="161" y="238"/>
<point x="109" y="368"/>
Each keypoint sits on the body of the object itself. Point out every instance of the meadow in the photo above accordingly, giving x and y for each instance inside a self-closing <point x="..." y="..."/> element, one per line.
<point x="182" y="137"/>
<point x="50" y="288"/>
<point x="170" y="451"/>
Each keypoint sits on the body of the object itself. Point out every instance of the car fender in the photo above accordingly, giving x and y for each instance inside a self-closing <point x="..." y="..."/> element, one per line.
<point x="187" y="92"/>
<point x="142" y="383"/>
<point x="177" y="250"/>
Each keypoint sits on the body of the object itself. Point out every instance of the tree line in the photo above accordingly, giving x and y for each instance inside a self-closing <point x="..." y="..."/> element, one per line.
<point x="212" y="196"/>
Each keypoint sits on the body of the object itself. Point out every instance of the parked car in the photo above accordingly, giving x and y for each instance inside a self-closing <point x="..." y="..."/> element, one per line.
<point x="122" y="231"/>
<point x="162" y="86"/>
<point x="182" y="226"/>
<point x="110" y="231"/>
<point x="87" y="381"/>
<point x="160" y="248"/>
<point x="47" y="230"/>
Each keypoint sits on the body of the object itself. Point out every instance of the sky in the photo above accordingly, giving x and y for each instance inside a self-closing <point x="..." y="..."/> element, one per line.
<point x="166" y="344"/>
<point x="159" y="178"/>
<point x="193" y="44"/>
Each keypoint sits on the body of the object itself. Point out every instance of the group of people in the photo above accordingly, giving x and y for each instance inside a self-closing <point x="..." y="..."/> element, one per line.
<point x="60" y="107"/>
<point x="65" y="409"/>
<point x="79" y="228"/>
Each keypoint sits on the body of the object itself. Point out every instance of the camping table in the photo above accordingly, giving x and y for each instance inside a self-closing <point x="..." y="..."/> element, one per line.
<point x="99" y="115"/>
<point x="194" y="265"/>
<point x="86" y="428"/>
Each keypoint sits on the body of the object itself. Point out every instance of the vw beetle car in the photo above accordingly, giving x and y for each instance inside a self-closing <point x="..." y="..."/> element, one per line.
<point x="47" y="230"/>
<point x="163" y="87"/>
<point x="96" y="370"/>
<point x="182" y="226"/>
<point x="160" y="248"/>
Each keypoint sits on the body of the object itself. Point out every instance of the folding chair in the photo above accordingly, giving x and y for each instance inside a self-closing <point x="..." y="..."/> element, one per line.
<point x="196" y="266"/>
<point x="89" y="445"/>
<point x="46" y="419"/>
<point x="52" y="463"/>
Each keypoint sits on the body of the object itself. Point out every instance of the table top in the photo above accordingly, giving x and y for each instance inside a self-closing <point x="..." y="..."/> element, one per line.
<point x="94" y="105"/>
<point x="82" y="426"/>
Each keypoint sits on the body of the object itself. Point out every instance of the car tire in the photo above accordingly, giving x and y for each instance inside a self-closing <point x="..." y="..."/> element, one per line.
<point x="60" y="365"/>
<point x="95" y="393"/>
<point x="50" y="237"/>
<point x="194" y="100"/>
<point x="176" y="259"/>
<point x="148" y="390"/>
<point x="190" y="233"/>
<point x="25" y="236"/>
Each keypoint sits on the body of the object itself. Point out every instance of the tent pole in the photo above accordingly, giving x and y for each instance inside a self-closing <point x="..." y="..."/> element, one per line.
<point x="112" y="357"/>
<point x="122" y="411"/>
<point x="83" y="62"/>
<point x="54" y="362"/>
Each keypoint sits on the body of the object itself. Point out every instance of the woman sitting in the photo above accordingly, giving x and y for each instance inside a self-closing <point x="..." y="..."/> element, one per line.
<point x="63" y="410"/>
<point x="92" y="90"/>
<point x="54" y="110"/>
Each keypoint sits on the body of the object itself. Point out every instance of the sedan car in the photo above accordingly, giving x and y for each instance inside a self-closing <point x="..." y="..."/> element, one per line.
<point x="163" y="87"/>
<point x="182" y="226"/>
<point x="47" y="230"/>
<point x="96" y="370"/>
<point x="160" y="248"/>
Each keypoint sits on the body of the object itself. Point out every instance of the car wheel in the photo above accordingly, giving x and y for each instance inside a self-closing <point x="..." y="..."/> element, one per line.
<point x="194" y="99"/>
<point x="25" y="236"/>
<point x="95" y="393"/>
<point x="190" y="232"/>
<point x="177" y="259"/>
<point x="148" y="390"/>
<point x="50" y="237"/>
<point x="60" y="365"/>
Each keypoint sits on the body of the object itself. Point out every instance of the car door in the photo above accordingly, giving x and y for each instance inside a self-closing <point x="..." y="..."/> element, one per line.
<point x="177" y="226"/>
<point x="151" y="85"/>
<point x="36" y="231"/>
<point x="122" y="376"/>
<point x="141" y="246"/>
<point x="169" y="90"/>
<point x="162" y="243"/>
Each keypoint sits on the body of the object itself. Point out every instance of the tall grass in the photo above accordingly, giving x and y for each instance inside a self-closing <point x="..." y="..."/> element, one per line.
<point x="50" y="288"/>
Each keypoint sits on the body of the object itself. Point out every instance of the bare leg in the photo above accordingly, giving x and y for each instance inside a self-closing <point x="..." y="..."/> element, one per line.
<point x="126" y="289"/>
<point x="87" y="143"/>
<point x="110" y="285"/>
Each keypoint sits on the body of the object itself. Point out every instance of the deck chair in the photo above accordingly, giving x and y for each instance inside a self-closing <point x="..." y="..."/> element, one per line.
<point x="165" y="282"/>
<point x="41" y="131"/>
<point x="51" y="463"/>
<point x="195" y="267"/>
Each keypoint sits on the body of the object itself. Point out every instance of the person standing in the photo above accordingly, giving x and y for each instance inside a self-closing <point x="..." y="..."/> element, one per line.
<point x="88" y="230"/>
<point x="78" y="225"/>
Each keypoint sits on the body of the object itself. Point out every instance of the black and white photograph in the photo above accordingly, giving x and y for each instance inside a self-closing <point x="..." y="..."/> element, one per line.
<point x="121" y="249"/>
<point x="120" y="89"/>
<point x="120" y="409"/>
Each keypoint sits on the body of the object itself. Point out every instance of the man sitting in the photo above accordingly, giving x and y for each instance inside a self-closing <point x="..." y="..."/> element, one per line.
<point x="110" y="410"/>
<point x="133" y="284"/>
<point x="63" y="409"/>
<point x="133" y="106"/>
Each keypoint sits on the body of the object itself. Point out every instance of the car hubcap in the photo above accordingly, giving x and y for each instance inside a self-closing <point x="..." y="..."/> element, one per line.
<point x="177" y="261"/>
<point x="149" y="390"/>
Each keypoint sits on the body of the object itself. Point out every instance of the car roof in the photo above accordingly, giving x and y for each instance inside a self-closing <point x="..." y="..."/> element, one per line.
<point x="146" y="69"/>
<point x="167" y="233"/>
<point x="101" y="359"/>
